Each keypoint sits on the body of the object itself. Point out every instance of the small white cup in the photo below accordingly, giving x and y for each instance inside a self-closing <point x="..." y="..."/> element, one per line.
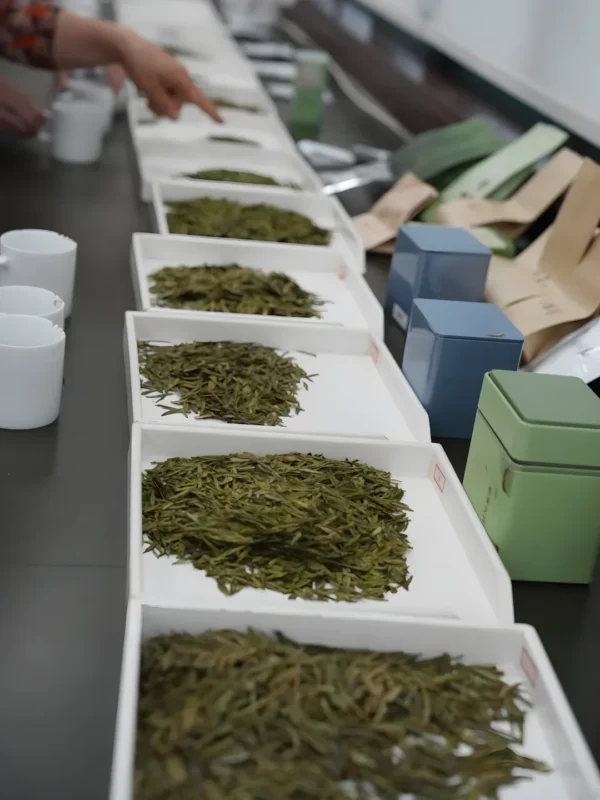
<point x="32" y="301"/>
<point x="33" y="257"/>
<point x="32" y="354"/>
<point x="77" y="130"/>
<point x="102" y="96"/>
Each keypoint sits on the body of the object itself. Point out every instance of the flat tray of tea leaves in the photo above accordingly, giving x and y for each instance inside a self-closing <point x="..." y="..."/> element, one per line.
<point x="233" y="289"/>
<point x="299" y="524"/>
<point x="234" y="219"/>
<point x="216" y="369"/>
<point x="297" y="512"/>
<point x="233" y="716"/>
<point x="222" y="161"/>
<point x="326" y="698"/>
<point x="257" y="213"/>
<point x="188" y="132"/>
<point x="343" y="297"/>
<point x="228" y="381"/>
<point x="238" y="176"/>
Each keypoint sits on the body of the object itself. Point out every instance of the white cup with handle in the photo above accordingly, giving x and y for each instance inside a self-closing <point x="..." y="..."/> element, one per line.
<point x="32" y="301"/>
<point x="32" y="257"/>
<point x="32" y="354"/>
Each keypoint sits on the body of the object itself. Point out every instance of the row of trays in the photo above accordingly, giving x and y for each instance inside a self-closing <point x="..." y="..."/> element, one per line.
<point x="357" y="406"/>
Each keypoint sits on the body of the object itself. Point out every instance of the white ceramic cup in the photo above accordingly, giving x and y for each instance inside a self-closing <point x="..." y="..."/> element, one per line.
<point x="32" y="355"/>
<point x="32" y="301"/>
<point x="77" y="128"/>
<point x="33" y="257"/>
<point x="102" y="96"/>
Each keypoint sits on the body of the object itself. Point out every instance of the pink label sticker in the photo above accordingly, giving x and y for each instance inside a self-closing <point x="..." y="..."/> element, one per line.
<point x="341" y="272"/>
<point x="439" y="478"/>
<point x="374" y="351"/>
<point x="529" y="667"/>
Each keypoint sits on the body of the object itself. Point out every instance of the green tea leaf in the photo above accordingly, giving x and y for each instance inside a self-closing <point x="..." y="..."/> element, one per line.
<point x="303" y="525"/>
<point x="222" y="102"/>
<point x="211" y="216"/>
<point x="233" y="289"/>
<point x="229" y="381"/>
<point x="231" y="715"/>
<point x="238" y="176"/>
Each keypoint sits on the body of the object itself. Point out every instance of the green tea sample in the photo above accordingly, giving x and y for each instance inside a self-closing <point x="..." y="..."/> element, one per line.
<point x="303" y="525"/>
<point x="222" y="102"/>
<point x="214" y="216"/>
<point x="183" y="52"/>
<point x="233" y="289"/>
<point x="238" y="176"/>
<point x="228" y="381"/>
<point x="246" y="716"/>
<point x="233" y="140"/>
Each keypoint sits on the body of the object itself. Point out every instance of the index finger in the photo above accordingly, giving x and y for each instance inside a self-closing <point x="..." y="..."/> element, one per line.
<point x="193" y="95"/>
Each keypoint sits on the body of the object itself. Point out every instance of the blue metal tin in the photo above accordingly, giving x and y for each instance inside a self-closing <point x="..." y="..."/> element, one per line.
<point x="438" y="263"/>
<point x="450" y="346"/>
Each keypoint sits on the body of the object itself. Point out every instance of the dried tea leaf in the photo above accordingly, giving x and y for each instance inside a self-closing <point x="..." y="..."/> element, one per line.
<point x="233" y="140"/>
<point x="222" y="102"/>
<point x="238" y="176"/>
<point x="303" y="525"/>
<point x="233" y="289"/>
<point x="245" y="716"/>
<point x="212" y="216"/>
<point x="229" y="381"/>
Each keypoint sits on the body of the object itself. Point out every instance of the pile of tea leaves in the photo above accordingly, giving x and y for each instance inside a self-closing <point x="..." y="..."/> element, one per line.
<point x="244" y="716"/>
<point x="304" y="525"/>
<point x="233" y="289"/>
<point x="233" y="140"/>
<point x="213" y="216"/>
<point x="238" y="176"/>
<point x="229" y="381"/>
<point x="223" y="102"/>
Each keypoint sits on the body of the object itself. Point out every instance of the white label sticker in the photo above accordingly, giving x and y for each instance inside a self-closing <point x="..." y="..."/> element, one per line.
<point x="439" y="478"/>
<point x="374" y="351"/>
<point x="529" y="667"/>
<point x="400" y="316"/>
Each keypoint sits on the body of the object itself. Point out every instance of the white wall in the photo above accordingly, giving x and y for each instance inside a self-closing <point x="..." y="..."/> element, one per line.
<point x="545" y="51"/>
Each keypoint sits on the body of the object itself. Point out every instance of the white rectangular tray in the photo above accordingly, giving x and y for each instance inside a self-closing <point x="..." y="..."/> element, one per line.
<point x="551" y="731"/>
<point x="225" y="70"/>
<point x="160" y="160"/>
<point x="349" y="301"/>
<point x="457" y="573"/>
<point x="199" y="133"/>
<point x="275" y="70"/>
<point x="195" y="24"/>
<point x="194" y="116"/>
<point x="347" y="363"/>
<point x="322" y="210"/>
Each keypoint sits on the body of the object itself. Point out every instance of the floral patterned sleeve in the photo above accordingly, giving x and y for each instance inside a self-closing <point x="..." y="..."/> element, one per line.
<point x="27" y="31"/>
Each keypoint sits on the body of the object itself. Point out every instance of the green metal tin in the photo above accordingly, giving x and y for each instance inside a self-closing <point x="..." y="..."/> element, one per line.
<point x="533" y="474"/>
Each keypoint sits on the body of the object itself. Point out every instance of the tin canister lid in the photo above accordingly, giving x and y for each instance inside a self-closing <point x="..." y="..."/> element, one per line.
<point x="543" y="419"/>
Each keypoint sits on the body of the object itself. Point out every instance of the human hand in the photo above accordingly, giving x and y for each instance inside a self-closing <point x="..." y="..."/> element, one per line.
<point x="165" y="82"/>
<point x="19" y="114"/>
<point x="115" y="75"/>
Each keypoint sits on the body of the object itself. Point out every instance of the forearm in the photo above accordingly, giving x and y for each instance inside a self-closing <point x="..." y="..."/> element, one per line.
<point x="43" y="35"/>
<point x="83" y="42"/>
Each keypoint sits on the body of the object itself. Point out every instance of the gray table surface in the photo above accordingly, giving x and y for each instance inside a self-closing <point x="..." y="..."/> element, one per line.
<point x="63" y="495"/>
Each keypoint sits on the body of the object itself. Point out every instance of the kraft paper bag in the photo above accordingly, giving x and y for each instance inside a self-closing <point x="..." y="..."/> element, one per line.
<point x="401" y="203"/>
<point x="525" y="206"/>
<point x="554" y="285"/>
